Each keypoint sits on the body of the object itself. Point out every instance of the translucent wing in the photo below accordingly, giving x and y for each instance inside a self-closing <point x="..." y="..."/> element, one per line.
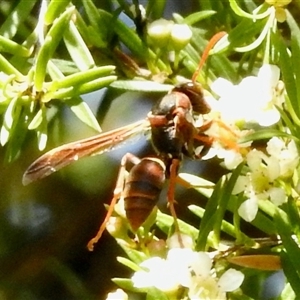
<point x="64" y="155"/>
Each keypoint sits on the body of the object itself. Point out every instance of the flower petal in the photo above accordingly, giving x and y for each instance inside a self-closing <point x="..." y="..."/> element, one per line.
<point x="202" y="264"/>
<point x="277" y="195"/>
<point x="269" y="74"/>
<point x="231" y="280"/>
<point x="248" y="209"/>
<point x="222" y="87"/>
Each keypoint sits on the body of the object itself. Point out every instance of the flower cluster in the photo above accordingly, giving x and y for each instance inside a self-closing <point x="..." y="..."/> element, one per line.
<point x="253" y="100"/>
<point x="262" y="181"/>
<point x="185" y="268"/>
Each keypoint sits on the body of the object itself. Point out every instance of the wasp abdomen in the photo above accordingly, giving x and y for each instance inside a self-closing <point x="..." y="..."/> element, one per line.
<point x="142" y="188"/>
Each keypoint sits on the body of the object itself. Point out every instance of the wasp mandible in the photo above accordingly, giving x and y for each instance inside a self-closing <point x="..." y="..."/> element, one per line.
<point x="174" y="134"/>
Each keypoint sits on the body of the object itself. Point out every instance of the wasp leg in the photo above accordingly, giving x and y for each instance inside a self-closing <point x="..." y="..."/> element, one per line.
<point x="117" y="194"/>
<point x="171" y="197"/>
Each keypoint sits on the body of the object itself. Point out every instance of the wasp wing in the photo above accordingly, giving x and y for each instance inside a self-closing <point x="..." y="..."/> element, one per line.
<point x="64" y="155"/>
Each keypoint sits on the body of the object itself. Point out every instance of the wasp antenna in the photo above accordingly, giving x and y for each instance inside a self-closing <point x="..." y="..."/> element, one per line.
<point x="205" y="54"/>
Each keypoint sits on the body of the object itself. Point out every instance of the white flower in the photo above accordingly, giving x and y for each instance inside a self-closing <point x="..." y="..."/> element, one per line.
<point x="210" y="288"/>
<point x="252" y="100"/>
<point x="157" y="273"/>
<point x="262" y="181"/>
<point x="286" y="155"/>
<point x="186" y="268"/>
<point x="165" y="274"/>
<point x="205" y="285"/>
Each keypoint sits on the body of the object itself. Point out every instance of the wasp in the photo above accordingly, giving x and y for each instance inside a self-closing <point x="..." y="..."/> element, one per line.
<point x="174" y="134"/>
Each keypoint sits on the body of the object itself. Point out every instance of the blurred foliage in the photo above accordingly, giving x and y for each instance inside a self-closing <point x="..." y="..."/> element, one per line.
<point x="55" y="57"/>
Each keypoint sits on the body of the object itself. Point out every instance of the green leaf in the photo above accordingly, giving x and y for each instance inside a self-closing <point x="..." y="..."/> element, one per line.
<point x="287" y="293"/>
<point x="75" y="91"/>
<point x="42" y="137"/>
<point x="11" y="114"/>
<point x="266" y="134"/>
<point x="291" y="121"/>
<point x="36" y="121"/>
<point x="225" y="198"/>
<point x="151" y="292"/>
<point x="261" y="221"/>
<point x="285" y="230"/>
<point x="77" y="48"/>
<point x="83" y="112"/>
<point x="98" y="25"/>
<point x="55" y="8"/>
<point x="198" y="16"/>
<point x="16" y="18"/>
<point x="128" y="263"/>
<point x="127" y="284"/>
<point x="223" y="67"/>
<point x="294" y="25"/>
<point x="286" y="67"/>
<point x="126" y="35"/>
<point x="203" y="186"/>
<point x="165" y="222"/>
<point x="295" y="50"/>
<point x="78" y="106"/>
<point x="17" y="134"/>
<point x="291" y="274"/>
<point x="156" y="294"/>
<point x="52" y="40"/>
<point x="80" y="78"/>
<point x="270" y="208"/>
<point x="83" y="28"/>
<point x="134" y="255"/>
<point x="293" y="215"/>
<point x="290" y="256"/>
<point x="245" y="31"/>
<point x="155" y="9"/>
<point x="9" y="46"/>
<point x="209" y="217"/>
<point x="42" y="130"/>
<point x="258" y="41"/>
<point x="8" y="68"/>
<point x="226" y="227"/>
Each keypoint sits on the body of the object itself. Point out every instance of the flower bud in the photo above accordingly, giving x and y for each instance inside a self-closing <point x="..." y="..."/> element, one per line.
<point x="159" y="32"/>
<point x="181" y="35"/>
<point x="157" y="248"/>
